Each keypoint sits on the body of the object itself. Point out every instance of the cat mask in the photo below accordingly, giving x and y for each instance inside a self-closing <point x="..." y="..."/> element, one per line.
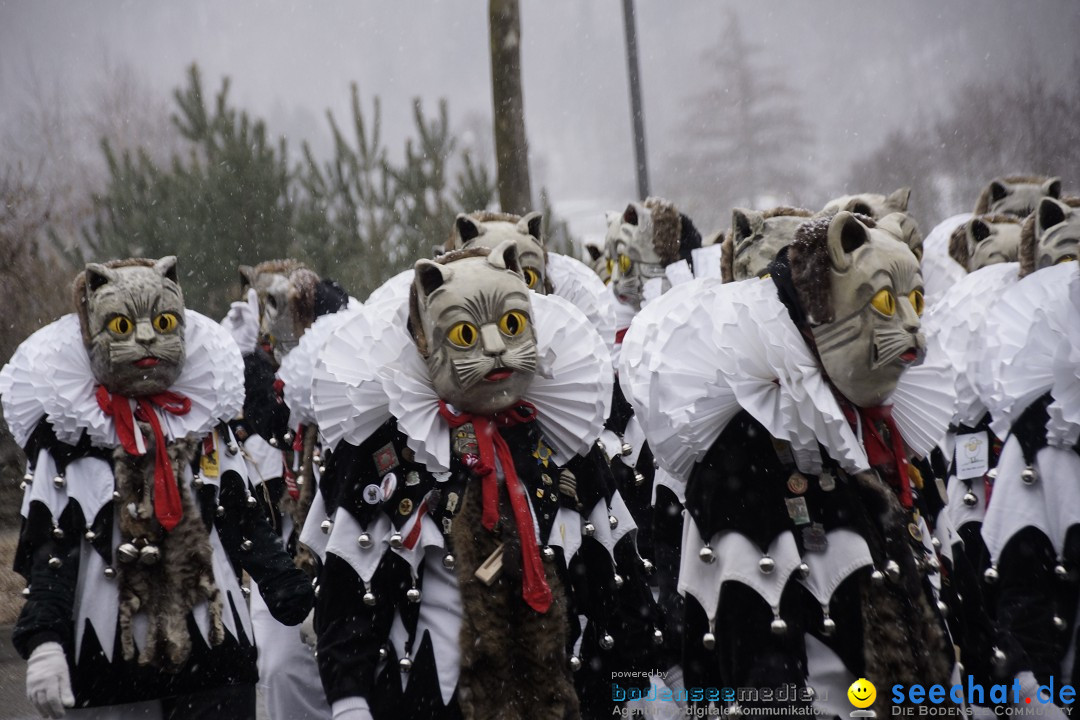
<point x="755" y="238"/>
<point x="986" y="240"/>
<point x="1016" y="195"/>
<point x="862" y="291"/>
<point x="874" y="205"/>
<point x="286" y="290"/>
<point x="132" y="318"/>
<point x="470" y="314"/>
<point x="1050" y="236"/>
<point x="490" y="230"/>
<point x="646" y="242"/>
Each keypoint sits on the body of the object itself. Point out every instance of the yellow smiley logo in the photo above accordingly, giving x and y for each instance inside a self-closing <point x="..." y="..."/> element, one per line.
<point x="862" y="693"/>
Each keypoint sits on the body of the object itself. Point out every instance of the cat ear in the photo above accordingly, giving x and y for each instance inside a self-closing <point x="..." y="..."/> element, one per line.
<point x="744" y="223"/>
<point x="899" y="199"/>
<point x="1052" y="187"/>
<point x="247" y="277"/>
<point x="531" y="224"/>
<point x="1050" y="213"/>
<point x="430" y="276"/>
<point x="857" y="205"/>
<point x="166" y="267"/>
<point x="98" y="275"/>
<point x="505" y="257"/>
<point x="630" y="215"/>
<point x="467" y="229"/>
<point x="977" y="231"/>
<point x="998" y="190"/>
<point x="846" y="235"/>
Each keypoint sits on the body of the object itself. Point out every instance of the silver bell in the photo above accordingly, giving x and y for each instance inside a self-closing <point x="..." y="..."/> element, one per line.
<point x="110" y="572"/>
<point x="601" y="446"/>
<point x="364" y="540"/>
<point x="1029" y="475"/>
<point x="300" y="480"/>
<point x="990" y="575"/>
<point x="197" y="481"/>
<point x="639" y="479"/>
<point x="322" y="468"/>
<point x="220" y="512"/>
<point x="943" y="608"/>
<point x="779" y="627"/>
<point x="936" y="543"/>
<point x="55" y="563"/>
<point x="708" y="640"/>
<point x="251" y="501"/>
<point x="877" y="577"/>
<point x="413" y="595"/>
<point x="607" y="642"/>
<point x="613" y="521"/>
<point x="23" y="485"/>
<point x="369" y="598"/>
<point x="273" y="442"/>
<point x="26" y="591"/>
<point x="892" y="571"/>
<point x="1061" y="571"/>
<point x="127" y="553"/>
<point x="116" y="495"/>
<point x="28" y="478"/>
<point x="706" y="555"/>
<point x="316" y="459"/>
<point x="90" y="536"/>
<point x="548" y="553"/>
<point x="657" y="636"/>
<point x="999" y="658"/>
<point x="149" y="555"/>
<point x="405" y="664"/>
<point x="992" y="473"/>
<point x="396" y="541"/>
<point x="804" y="570"/>
<point x="1059" y="623"/>
<point x="233" y="448"/>
<point x="766" y="565"/>
<point x="448" y="561"/>
<point x="575" y="663"/>
<point x="58" y="533"/>
<point x="59" y="482"/>
<point x="382" y="653"/>
<point x="316" y="590"/>
<point x="618" y="581"/>
<point x="325" y="526"/>
<point x="247" y="545"/>
<point x="828" y="626"/>
<point x="647" y="565"/>
<point x="589" y="529"/>
<point x="970" y="499"/>
<point x="287" y="437"/>
<point x="245" y="591"/>
<point x="626" y="449"/>
<point x="933" y="565"/>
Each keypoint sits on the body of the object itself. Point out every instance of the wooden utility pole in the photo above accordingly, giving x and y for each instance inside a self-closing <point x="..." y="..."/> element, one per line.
<point x="637" y="113"/>
<point x="511" y="146"/>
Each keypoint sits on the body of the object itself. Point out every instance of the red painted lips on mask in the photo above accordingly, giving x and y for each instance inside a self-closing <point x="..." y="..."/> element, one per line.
<point x="498" y="374"/>
<point x="147" y="362"/>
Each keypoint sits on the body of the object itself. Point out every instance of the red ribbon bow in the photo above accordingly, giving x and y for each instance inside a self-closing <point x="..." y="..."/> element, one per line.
<point x="492" y="446"/>
<point x="879" y="452"/>
<point x="167" y="505"/>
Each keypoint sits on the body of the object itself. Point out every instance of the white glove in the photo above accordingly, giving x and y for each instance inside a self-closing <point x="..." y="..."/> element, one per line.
<point x="307" y="631"/>
<point x="242" y="321"/>
<point x="1029" y="688"/>
<point x="48" y="685"/>
<point x="351" y="708"/>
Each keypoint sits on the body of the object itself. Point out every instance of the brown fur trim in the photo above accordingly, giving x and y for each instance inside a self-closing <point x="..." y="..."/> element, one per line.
<point x="727" y="257"/>
<point x="284" y="266"/>
<point x="786" y="211"/>
<point x="1027" y="246"/>
<point x="810" y="267"/>
<point x="904" y="640"/>
<point x="505" y="643"/>
<point x="303" y="284"/>
<point x="982" y="205"/>
<point x="78" y="289"/>
<point x="183" y="576"/>
<point x="415" y="327"/>
<point x="667" y="229"/>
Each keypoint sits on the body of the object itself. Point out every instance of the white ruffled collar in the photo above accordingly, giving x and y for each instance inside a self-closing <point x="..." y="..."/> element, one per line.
<point x="370" y="371"/>
<point x="704" y="351"/>
<point x="53" y="366"/>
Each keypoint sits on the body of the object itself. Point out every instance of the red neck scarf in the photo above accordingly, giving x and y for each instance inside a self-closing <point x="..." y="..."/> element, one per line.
<point x="534" y="588"/>
<point x="167" y="505"/>
<point x="878" y="451"/>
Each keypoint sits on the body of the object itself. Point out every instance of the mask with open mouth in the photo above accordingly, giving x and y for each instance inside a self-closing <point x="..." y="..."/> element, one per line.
<point x="862" y="291"/>
<point x="470" y="314"/>
<point x="132" y="318"/>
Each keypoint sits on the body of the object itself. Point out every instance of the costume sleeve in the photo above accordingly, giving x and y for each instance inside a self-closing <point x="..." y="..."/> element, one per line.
<point x="264" y="411"/>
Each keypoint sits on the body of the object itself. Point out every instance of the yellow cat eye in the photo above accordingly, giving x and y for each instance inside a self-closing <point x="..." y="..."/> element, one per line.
<point x="917" y="302"/>
<point x="463" y="335"/>
<point x="513" y="323"/>
<point x="166" y="322"/>
<point x="625" y="263"/>
<point x="1065" y="259"/>
<point x="120" y="325"/>
<point x="884" y="303"/>
<point x="610" y="265"/>
<point x="532" y="278"/>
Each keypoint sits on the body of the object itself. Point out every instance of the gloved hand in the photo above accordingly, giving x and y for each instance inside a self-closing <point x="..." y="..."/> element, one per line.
<point x="289" y="596"/>
<point x="242" y="321"/>
<point x="352" y="708"/>
<point x="307" y="631"/>
<point x="48" y="684"/>
<point x="1029" y="688"/>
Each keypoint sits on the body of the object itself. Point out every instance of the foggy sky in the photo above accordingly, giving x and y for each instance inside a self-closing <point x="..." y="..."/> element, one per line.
<point x="861" y="68"/>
